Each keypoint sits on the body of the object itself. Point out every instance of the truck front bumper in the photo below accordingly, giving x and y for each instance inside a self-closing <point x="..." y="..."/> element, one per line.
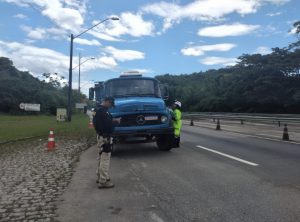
<point x="143" y="132"/>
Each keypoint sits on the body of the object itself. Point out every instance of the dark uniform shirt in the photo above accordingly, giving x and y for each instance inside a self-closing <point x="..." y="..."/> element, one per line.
<point x="103" y="121"/>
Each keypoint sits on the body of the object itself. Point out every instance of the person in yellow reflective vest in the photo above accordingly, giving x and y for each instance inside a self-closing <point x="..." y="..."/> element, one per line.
<point x="177" y="123"/>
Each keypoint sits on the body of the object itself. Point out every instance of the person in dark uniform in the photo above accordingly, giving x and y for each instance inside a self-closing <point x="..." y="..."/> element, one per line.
<point x="104" y="127"/>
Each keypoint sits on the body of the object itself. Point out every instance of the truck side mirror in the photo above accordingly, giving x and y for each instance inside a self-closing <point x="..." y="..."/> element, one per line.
<point x="166" y="96"/>
<point x="99" y="90"/>
<point x="91" y="93"/>
<point x="164" y="92"/>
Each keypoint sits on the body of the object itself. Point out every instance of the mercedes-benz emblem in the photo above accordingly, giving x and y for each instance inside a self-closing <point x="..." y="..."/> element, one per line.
<point x="140" y="120"/>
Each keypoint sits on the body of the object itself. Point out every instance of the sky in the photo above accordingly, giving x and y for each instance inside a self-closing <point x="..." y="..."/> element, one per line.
<point x="152" y="37"/>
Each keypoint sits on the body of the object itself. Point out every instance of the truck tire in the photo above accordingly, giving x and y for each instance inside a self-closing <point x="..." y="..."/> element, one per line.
<point x="164" y="142"/>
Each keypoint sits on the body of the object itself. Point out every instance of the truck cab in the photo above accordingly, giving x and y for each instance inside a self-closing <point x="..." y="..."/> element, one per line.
<point x="140" y="109"/>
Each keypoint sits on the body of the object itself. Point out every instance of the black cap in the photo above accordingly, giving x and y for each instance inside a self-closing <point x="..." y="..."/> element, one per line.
<point x="110" y="99"/>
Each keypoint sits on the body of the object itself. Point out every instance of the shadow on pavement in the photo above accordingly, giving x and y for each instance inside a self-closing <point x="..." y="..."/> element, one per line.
<point x="138" y="150"/>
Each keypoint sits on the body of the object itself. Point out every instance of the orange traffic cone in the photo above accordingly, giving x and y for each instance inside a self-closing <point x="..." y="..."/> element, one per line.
<point x="90" y="126"/>
<point x="51" y="141"/>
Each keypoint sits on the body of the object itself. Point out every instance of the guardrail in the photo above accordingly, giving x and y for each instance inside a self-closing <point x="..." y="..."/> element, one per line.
<point x="246" y="117"/>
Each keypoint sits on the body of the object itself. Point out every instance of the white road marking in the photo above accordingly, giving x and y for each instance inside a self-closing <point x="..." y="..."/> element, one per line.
<point x="228" y="156"/>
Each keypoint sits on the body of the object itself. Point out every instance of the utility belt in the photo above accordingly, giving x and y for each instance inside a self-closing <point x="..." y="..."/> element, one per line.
<point x="106" y="143"/>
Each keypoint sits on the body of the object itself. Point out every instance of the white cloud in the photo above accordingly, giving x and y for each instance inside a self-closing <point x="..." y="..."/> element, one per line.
<point x="274" y="14"/>
<point x="124" y="55"/>
<point x="235" y="29"/>
<point x="200" y="50"/>
<point x="29" y="41"/>
<point x="66" y="14"/>
<point x="201" y="10"/>
<point x="36" y="60"/>
<point x="263" y="50"/>
<point x="40" y="60"/>
<point x="44" y="33"/>
<point x="87" y="42"/>
<point x="105" y="62"/>
<point x="100" y="62"/>
<point x="204" y="10"/>
<point x="219" y="61"/>
<point x="269" y="30"/>
<point x="20" y="16"/>
<point x="66" y="18"/>
<point x="293" y="31"/>
<point x="276" y="2"/>
<point x="37" y="33"/>
<point x="129" y="24"/>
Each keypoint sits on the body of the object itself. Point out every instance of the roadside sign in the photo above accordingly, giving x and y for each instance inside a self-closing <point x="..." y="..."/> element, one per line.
<point x="61" y="114"/>
<point x="80" y="105"/>
<point x="30" y="107"/>
<point x="22" y="105"/>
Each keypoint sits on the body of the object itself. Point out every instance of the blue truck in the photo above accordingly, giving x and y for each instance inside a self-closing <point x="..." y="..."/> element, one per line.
<point x="139" y="108"/>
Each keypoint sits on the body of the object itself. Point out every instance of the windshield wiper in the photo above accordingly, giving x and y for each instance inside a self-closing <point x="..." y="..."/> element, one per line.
<point x="148" y="94"/>
<point x="125" y="95"/>
<point x="137" y="95"/>
<point x="119" y="95"/>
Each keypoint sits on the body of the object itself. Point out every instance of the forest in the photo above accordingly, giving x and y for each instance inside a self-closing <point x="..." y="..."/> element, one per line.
<point x="21" y="87"/>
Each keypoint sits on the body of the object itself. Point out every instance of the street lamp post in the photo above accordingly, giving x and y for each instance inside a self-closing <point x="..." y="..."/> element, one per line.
<point x="72" y="37"/>
<point x="79" y="63"/>
<point x="69" y="110"/>
<point x="79" y="68"/>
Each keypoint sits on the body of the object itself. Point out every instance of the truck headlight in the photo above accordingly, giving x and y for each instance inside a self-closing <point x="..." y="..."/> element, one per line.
<point x="164" y="119"/>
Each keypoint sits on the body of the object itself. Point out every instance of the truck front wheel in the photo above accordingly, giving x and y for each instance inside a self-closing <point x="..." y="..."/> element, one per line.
<point x="165" y="142"/>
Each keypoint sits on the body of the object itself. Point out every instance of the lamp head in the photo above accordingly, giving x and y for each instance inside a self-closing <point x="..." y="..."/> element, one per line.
<point x="114" y="18"/>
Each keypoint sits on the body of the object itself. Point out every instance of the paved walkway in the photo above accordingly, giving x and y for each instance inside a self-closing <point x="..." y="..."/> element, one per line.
<point x="32" y="179"/>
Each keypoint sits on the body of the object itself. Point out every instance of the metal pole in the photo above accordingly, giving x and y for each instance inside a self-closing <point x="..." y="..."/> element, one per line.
<point x="79" y="72"/>
<point x="70" y="82"/>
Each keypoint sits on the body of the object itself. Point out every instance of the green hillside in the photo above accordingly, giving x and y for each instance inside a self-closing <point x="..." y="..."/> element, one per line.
<point x="17" y="87"/>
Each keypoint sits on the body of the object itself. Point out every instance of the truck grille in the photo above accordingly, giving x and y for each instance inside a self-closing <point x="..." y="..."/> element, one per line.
<point x="139" y="120"/>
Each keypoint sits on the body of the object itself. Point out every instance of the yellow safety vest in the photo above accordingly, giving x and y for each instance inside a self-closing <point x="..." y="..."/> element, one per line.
<point x="177" y="123"/>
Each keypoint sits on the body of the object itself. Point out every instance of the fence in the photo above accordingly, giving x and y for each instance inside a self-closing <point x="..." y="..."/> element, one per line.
<point x="277" y="119"/>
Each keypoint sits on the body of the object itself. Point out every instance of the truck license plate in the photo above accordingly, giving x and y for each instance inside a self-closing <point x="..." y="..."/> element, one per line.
<point x="151" y="118"/>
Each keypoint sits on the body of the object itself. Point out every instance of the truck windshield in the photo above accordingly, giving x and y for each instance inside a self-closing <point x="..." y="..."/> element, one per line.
<point x="132" y="87"/>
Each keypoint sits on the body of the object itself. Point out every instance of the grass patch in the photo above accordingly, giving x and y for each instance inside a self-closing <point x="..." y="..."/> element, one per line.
<point x="18" y="127"/>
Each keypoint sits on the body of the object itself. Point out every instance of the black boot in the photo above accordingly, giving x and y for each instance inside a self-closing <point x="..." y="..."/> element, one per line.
<point x="176" y="142"/>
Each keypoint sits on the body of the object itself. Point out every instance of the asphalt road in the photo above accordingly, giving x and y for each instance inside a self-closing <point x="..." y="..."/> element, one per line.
<point x="214" y="176"/>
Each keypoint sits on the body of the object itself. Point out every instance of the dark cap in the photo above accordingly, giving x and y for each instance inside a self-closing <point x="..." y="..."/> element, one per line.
<point x="111" y="100"/>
